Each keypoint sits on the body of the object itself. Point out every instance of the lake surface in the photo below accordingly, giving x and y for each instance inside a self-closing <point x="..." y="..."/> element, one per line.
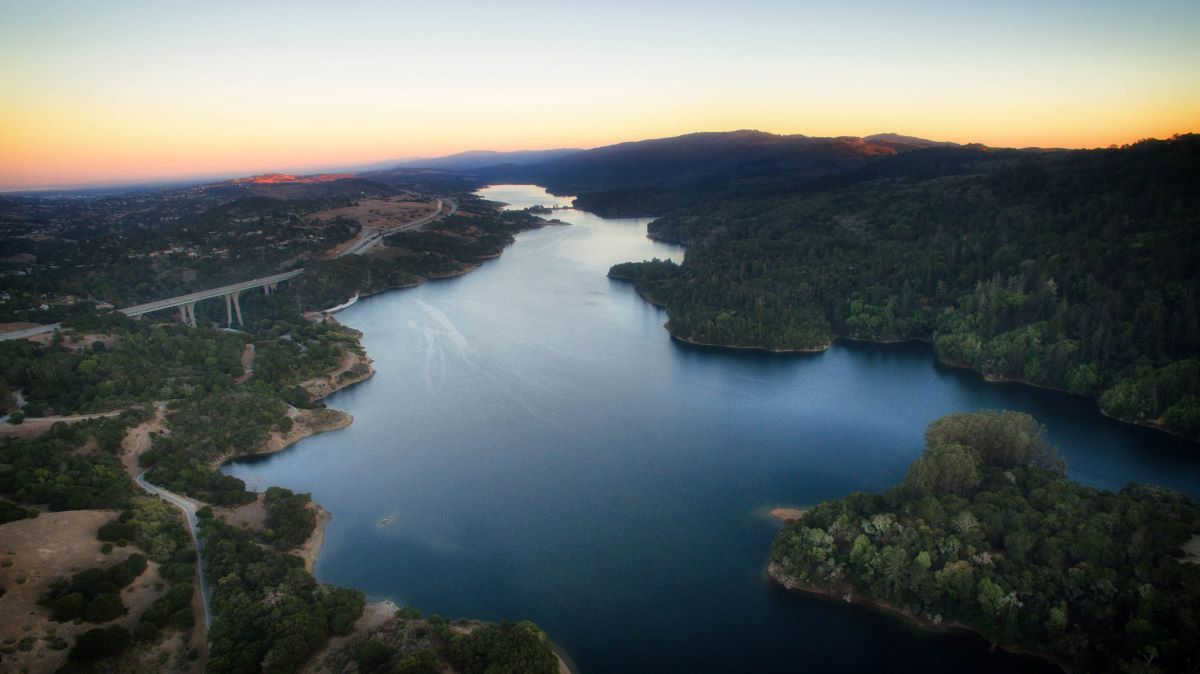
<point x="541" y="449"/>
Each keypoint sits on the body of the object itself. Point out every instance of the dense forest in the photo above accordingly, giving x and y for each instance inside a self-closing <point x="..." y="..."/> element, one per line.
<point x="50" y="472"/>
<point x="270" y="614"/>
<point x="1073" y="270"/>
<point x="652" y="177"/>
<point x="987" y="532"/>
<point x="138" y="362"/>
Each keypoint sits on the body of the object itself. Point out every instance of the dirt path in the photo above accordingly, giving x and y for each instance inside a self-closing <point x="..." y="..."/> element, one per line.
<point x="247" y="364"/>
<point x="35" y="426"/>
<point x="353" y="369"/>
<point x="137" y="440"/>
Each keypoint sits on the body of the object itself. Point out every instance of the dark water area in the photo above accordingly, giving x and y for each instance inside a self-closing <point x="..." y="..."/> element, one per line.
<point x="535" y="446"/>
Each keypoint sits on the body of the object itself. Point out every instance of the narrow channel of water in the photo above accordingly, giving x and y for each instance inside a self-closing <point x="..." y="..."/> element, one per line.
<point x="534" y="445"/>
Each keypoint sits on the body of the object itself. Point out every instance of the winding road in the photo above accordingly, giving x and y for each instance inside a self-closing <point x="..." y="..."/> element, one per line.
<point x="189" y="508"/>
<point x="372" y="240"/>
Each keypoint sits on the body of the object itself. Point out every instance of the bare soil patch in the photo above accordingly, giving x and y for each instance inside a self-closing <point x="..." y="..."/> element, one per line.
<point x="354" y="368"/>
<point x="249" y="516"/>
<point x="787" y="514"/>
<point x="1191" y="550"/>
<point x="376" y="215"/>
<point x="32" y="427"/>
<point x="137" y="440"/>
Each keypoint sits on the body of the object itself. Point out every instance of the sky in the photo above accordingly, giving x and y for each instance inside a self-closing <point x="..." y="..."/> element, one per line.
<point x="115" y="91"/>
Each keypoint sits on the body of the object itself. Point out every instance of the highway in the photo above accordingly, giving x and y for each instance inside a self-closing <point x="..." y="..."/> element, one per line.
<point x="30" y="332"/>
<point x="373" y="240"/>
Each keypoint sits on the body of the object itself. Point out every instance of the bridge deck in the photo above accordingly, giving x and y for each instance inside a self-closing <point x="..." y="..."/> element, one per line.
<point x="168" y="303"/>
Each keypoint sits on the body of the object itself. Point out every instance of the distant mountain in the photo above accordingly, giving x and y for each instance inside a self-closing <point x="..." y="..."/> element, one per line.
<point x="282" y="178"/>
<point x="316" y="186"/>
<point x="911" y="141"/>
<point x="650" y="177"/>
<point x="477" y="159"/>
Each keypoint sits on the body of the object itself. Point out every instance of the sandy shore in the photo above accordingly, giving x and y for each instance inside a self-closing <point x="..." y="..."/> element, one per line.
<point x="786" y="515"/>
<point x="1191" y="550"/>
<point x="355" y="367"/>
<point x="312" y="547"/>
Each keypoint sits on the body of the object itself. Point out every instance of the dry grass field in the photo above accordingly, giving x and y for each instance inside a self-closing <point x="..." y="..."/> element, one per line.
<point x="379" y="214"/>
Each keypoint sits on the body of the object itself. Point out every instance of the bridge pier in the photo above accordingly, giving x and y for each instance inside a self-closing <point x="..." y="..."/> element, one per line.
<point x="187" y="314"/>
<point x="231" y="293"/>
<point x="231" y="304"/>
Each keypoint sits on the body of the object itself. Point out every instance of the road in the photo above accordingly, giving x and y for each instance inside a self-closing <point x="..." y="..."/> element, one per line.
<point x="157" y="305"/>
<point x="189" y="508"/>
<point x="68" y="419"/>
<point x="30" y="332"/>
<point x="373" y="240"/>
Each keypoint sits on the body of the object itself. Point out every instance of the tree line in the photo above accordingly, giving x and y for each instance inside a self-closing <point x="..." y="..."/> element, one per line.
<point x="986" y="531"/>
<point x="1069" y="270"/>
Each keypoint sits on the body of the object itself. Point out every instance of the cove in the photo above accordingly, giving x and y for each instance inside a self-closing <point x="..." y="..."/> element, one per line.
<point x="535" y="446"/>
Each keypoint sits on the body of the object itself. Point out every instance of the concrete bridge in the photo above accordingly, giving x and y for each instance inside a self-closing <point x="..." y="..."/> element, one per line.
<point x="187" y="303"/>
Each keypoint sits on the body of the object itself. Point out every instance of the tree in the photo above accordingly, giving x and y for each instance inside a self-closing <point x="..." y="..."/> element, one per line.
<point x="950" y="468"/>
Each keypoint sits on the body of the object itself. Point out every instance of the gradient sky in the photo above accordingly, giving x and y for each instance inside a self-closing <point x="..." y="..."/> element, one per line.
<point x="94" y="92"/>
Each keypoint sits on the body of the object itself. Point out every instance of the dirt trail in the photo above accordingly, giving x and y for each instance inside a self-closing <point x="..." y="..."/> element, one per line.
<point x="137" y="440"/>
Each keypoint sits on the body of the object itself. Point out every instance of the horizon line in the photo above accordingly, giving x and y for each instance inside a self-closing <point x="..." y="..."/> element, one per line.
<point x="366" y="165"/>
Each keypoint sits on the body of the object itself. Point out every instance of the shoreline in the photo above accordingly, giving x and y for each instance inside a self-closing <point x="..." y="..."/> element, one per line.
<point x="992" y="378"/>
<point x="989" y="378"/>
<point x="777" y="576"/>
<point x="695" y="342"/>
<point x="311" y="550"/>
<point x="787" y="514"/>
<point x="706" y="345"/>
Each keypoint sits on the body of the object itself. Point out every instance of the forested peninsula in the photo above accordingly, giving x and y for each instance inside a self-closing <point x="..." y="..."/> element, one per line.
<point x="988" y="534"/>
<point x="1069" y="270"/>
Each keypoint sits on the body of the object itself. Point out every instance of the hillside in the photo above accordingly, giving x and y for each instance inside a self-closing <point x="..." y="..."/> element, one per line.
<point x="1073" y="270"/>
<point x="987" y="533"/>
<point x="651" y="177"/>
<point x="479" y="159"/>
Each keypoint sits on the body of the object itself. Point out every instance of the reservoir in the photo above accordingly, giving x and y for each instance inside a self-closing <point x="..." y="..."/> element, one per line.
<point x="535" y="446"/>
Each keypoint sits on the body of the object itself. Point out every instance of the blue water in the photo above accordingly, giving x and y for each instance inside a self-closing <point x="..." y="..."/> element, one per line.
<point x="541" y="449"/>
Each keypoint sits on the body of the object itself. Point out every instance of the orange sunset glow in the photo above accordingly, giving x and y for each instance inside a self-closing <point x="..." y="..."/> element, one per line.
<point x="140" y="92"/>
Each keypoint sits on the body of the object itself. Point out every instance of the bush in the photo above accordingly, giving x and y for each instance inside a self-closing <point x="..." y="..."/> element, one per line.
<point x="374" y="655"/>
<point x="116" y="531"/>
<point x="104" y="607"/>
<point x="423" y="661"/>
<point x="104" y="642"/>
<point x="68" y="607"/>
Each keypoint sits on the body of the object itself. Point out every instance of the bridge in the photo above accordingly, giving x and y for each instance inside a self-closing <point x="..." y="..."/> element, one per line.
<point x="187" y="303"/>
